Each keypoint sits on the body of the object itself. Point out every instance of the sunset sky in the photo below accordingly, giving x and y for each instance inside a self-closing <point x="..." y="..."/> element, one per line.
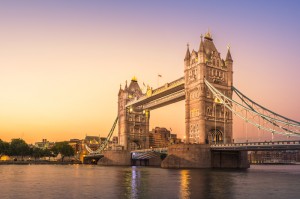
<point x="62" y="62"/>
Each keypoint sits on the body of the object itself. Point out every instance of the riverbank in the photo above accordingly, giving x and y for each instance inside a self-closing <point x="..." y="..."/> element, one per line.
<point x="39" y="162"/>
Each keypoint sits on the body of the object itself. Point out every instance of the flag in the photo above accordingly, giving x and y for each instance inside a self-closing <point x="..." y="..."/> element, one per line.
<point x="159" y="75"/>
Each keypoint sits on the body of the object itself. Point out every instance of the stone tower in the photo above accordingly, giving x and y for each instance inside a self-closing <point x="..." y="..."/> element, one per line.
<point x="133" y="122"/>
<point x="207" y="120"/>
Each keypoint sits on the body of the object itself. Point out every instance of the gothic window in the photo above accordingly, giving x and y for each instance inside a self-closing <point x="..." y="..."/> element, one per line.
<point x="208" y="94"/>
<point x="226" y="114"/>
<point x="137" y="118"/>
<point x="208" y="112"/>
<point x="215" y="136"/>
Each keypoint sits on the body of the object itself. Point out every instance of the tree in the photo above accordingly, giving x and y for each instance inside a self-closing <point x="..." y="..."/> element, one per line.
<point x="19" y="147"/>
<point x="47" y="153"/>
<point x="4" y="148"/>
<point x="37" y="153"/>
<point x="64" y="149"/>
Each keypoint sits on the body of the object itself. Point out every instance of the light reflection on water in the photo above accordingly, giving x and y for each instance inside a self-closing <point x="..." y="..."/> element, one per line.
<point x="184" y="184"/>
<point x="85" y="181"/>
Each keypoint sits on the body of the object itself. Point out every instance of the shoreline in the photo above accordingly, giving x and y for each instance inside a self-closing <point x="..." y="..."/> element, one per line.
<point x="38" y="162"/>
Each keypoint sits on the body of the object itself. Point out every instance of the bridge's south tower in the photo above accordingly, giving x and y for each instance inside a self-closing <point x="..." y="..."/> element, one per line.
<point x="207" y="120"/>
<point x="133" y="122"/>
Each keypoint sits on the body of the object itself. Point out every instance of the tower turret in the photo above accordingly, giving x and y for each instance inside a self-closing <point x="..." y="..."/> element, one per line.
<point x="228" y="64"/>
<point x="201" y="52"/>
<point x="187" y="56"/>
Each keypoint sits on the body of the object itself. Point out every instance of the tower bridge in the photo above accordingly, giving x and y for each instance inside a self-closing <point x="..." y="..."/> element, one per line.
<point x="205" y="120"/>
<point x="207" y="89"/>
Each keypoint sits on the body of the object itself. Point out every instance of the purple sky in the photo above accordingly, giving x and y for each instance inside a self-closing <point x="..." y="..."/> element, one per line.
<point x="61" y="62"/>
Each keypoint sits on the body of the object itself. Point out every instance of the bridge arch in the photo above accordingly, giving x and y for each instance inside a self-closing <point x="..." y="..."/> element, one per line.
<point x="215" y="136"/>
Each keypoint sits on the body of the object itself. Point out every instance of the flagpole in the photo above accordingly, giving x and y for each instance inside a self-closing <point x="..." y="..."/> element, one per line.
<point x="158" y="76"/>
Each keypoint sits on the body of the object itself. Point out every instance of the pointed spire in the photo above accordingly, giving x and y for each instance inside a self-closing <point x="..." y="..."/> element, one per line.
<point x="188" y="54"/>
<point x="208" y="35"/>
<point x="201" y="47"/>
<point x="126" y="85"/>
<point x="134" y="79"/>
<point x="228" y="56"/>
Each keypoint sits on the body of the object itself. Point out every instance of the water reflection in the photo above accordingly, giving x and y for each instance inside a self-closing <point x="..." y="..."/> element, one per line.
<point x="135" y="182"/>
<point x="82" y="181"/>
<point x="184" y="184"/>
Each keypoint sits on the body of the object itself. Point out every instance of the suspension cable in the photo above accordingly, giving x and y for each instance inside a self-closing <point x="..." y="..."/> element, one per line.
<point x="230" y="102"/>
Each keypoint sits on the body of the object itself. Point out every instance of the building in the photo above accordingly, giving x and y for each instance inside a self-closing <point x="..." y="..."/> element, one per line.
<point x="76" y="145"/>
<point x="93" y="142"/>
<point x="44" y="144"/>
<point x="115" y="139"/>
<point x="274" y="157"/>
<point x="162" y="137"/>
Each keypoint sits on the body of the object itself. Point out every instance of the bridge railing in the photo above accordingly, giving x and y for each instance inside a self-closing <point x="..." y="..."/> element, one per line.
<point x="160" y="150"/>
<point x="293" y="142"/>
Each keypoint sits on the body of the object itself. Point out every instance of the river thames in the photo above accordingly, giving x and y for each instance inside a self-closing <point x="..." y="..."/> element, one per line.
<point x="87" y="181"/>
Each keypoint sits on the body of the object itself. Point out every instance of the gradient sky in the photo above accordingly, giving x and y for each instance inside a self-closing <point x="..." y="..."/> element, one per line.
<point x="62" y="62"/>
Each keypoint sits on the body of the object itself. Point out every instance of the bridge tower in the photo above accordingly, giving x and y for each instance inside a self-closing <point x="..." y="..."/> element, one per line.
<point x="133" y="122"/>
<point x="207" y="120"/>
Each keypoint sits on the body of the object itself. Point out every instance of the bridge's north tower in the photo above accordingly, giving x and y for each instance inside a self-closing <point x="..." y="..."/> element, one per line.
<point x="207" y="120"/>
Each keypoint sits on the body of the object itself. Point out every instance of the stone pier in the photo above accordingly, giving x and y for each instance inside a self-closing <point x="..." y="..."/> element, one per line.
<point x="188" y="156"/>
<point x="116" y="158"/>
<point x="201" y="156"/>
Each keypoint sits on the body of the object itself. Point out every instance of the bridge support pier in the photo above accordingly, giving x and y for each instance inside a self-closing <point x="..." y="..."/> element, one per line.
<point x="201" y="156"/>
<point x="229" y="159"/>
<point x="188" y="156"/>
<point x="115" y="158"/>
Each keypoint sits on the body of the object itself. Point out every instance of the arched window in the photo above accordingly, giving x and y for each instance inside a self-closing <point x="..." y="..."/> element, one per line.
<point x="215" y="136"/>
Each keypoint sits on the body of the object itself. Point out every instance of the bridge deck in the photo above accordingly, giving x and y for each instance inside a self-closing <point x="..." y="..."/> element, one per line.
<point x="257" y="146"/>
<point x="247" y="146"/>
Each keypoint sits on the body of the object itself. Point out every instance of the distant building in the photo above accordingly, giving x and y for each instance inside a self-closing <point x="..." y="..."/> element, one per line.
<point x="115" y="139"/>
<point x="76" y="145"/>
<point x="92" y="142"/>
<point x="268" y="157"/>
<point x="162" y="137"/>
<point x="44" y="144"/>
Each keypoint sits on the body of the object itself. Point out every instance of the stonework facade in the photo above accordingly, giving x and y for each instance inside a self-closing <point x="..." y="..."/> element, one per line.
<point x="133" y="122"/>
<point x="207" y="121"/>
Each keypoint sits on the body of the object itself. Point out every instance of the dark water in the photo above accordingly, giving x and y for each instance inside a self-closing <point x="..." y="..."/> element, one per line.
<point x="84" y="181"/>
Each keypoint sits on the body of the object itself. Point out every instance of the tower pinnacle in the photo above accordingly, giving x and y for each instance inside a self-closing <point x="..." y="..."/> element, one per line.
<point x="201" y="47"/>
<point x="228" y="56"/>
<point x="208" y="36"/>
<point x="188" y="54"/>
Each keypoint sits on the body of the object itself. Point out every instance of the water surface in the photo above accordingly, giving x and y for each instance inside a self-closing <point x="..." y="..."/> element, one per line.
<point x="87" y="181"/>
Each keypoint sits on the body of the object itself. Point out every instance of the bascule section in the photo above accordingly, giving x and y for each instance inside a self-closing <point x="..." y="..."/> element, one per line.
<point x="207" y="120"/>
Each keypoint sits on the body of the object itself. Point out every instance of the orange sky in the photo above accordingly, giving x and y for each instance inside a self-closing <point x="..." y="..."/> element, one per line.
<point x="61" y="64"/>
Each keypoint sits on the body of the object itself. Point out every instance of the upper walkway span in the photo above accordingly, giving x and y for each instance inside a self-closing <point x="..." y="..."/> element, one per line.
<point x="169" y="93"/>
